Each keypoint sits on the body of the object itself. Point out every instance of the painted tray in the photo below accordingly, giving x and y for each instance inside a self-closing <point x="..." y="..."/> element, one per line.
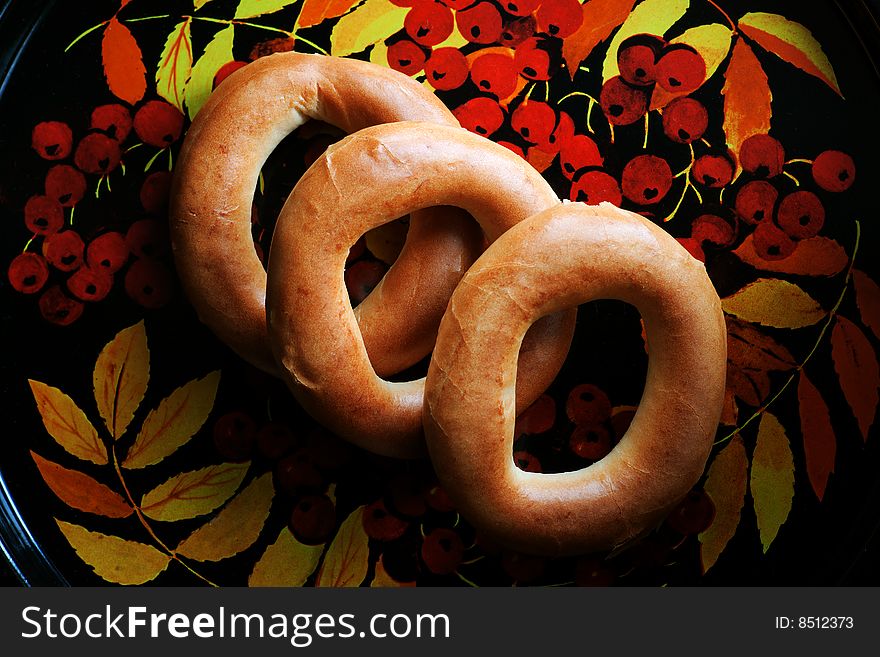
<point x="139" y="449"/>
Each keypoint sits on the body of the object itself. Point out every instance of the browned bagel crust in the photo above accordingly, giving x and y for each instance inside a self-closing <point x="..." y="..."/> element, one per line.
<point x="372" y="177"/>
<point x="558" y="259"/>
<point x="216" y="175"/>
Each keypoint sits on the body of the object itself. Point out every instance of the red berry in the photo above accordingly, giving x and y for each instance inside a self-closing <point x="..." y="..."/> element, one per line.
<point x="406" y="56"/>
<point x="637" y="58"/>
<point x="534" y="121"/>
<point x="114" y="119"/>
<point x="713" y="170"/>
<point x="362" y="277"/>
<point x="801" y="215"/>
<point x="693" y="514"/>
<point x="520" y="7"/>
<point x="446" y="69"/>
<point x="495" y="73"/>
<point x="595" y="187"/>
<point x="522" y="567"/>
<point x="587" y="404"/>
<point x="681" y="69"/>
<point x="64" y="250"/>
<point x="43" y="215"/>
<point x="693" y="246"/>
<point x="149" y="283"/>
<point x="579" y="152"/>
<point x="147" y="238"/>
<point x="274" y="440"/>
<point x="532" y="61"/>
<point x="457" y="5"/>
<point x="225" y="71"/>
<point x="834" y="171"/>
<point x="57" y="308"/>
<point x="28" y="273"/>
<point x="562" y="134"/>
<point x="762" y="155"/>
<point x="526" y="462"/>
<point x="97" y="153"/>
<point x="155" y="192"/>
<point x="537" y="418"/>
<point x="53" y="140"/>
<point x="771" y="242"/>
<point x="158" y="123"/>
<point x="90" y="284"/>
<point x="517" y="31"/>
<point x="480" y="24"/>
<point x="713" y="229"/>
<point x="313" y="519"/>
<point x="234" y="436"/>
<point x="438" y="499"/>
<point x="685" y="120"/>
<point x="382" y="525"/>
<point x="590" y="441"/>
<point x="559" y="18"/>
<point x="756" y="201"/>
<point x="623" y="104"/>
<point x="406" y="495"/>
<point x="295" y="473"/>
<point x="442" y="551"/>
<point x="646" y="179"/>
<point x="429" y="23"/>
<point x="481" y="115"/>
<point x="65" y="184"/>
<point x="621" y="418"/>
<point x="590" y="571"/>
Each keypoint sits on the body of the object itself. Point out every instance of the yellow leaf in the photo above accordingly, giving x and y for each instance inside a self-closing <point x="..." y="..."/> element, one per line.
<point x="726" y="486"/>
<point x="235" y="528"/>
<point x="383" y="580"/>
<point x="379" y="56"/>
<point x="217" y="53"/>
<point x="347" y="558"/>
<point x="112" y="558"/>
<point x="175" y="65"/>
<point x="386" y="241"/>
<point x="254" y="8"/>
<point x="772" y="482"/>
<point x="193" y="494"/>
<point x="650" y="17"/>
<point x="67" y="424"/>
<point x="712" y="41"/>
<point x="120" y="378"/>
<point x="792" y="42"/>
<point x="372" y="22"/>
<point x="286" y="562"/>
<point x="774" y="302"/>
<point x="177" y="419"/>
<point x="747" y="97"/>
<point x="198" y="4"/>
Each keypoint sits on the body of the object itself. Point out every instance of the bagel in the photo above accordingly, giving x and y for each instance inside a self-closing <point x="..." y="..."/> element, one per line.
<point x="558" y="259"/>
<point x="372" y="177"/>
<point x="216" y="174"/>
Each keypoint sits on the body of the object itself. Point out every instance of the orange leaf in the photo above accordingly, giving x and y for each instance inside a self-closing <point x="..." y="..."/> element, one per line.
<point x="193" y="494"/>
<point x="774" y="302"/>
<point x="67" y="424"/>
<point x="820" y="443"/>
<point x="286" y="562"/>
<point x="540" y="160"/>
<point x="383" y="580"/>
<point x="816" y="256"/>
<point x="123" y="63"/>
<point x="726" y="486"/>
<point x="868" y="300"/>
<point x="120" y="378"/>
<point x="772" y="480"/>
<point x="175" y="65"/>
<point x="80" y="491"/>
<point x="347" y="559"/>
<point x="792" y="42"/>
<point x="747" y="97"/>
<point x="729" y="411"/>
<point x="856" y="364"/>
<point x="317" y="11"/>
<point x="601" y="17"/>
<point x="751" y="354"/>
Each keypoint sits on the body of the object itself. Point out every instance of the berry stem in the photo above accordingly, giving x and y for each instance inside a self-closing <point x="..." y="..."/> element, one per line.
<point x="262" y="181"/>
<point x="797" y="183"/>
<point x="647" y="129"/>
<point x="170" y="163"/>
<point x="86" y="33"/>
<point x="72" y="210"/>
<point x="146" y="18"/>
<point x="133" y="146"/>
<point x="799" y="161"/>
<point x="725" y="14"/>
<point x="466" y="580"/>
<point x="29" y="242"/>
<point x="593" y="102"/>
<point x="832" y="314"/>
<point x="152" y="159"/>
<point x="547" y="91"/>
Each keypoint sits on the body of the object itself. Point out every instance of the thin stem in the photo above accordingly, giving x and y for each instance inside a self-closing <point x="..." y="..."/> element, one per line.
<point x="314" y="45"/>
<point x="547" y="91"/>
<point x="170" y="160"/>
<point x="725" y="14"/>
<point x="799" y="161"/>
<point x="466" y="580"/>
<point x="647" y="129"/>
<point x="146" y="18"/>
<point x="86" y="33"/>
<point x="29" y="242"/>
<point x="529" y="91"/>
<point x="797" y="182"/>
<point x="152" y="159"/>
<point x="72" y="210"/>
<point x="133" y="146"/>
<point x="687" y="186"/>
<point x="590" y="115"/>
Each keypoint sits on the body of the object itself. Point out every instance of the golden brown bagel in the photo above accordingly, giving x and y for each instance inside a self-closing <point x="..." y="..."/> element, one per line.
<point x="371" y="178"/>
<point x="558" y="259"/>
<point x="216" y="175"/>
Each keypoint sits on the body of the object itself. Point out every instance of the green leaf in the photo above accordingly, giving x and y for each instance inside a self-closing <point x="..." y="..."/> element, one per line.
<point x="254" y="8"/>
<point x="372" y="22"/>
<point x="217" y="53"/>
<point x="774" y="302"/>
<point x="286" y="562"/>
<point x="175" y="65"/>
<point x="772" y="480"/>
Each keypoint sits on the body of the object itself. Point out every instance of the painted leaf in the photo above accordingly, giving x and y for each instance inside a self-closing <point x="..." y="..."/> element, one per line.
<point x="747" y="97"/>
<point x="729" y="410"/>
<point x="177" y="419"/>
<point x="122" y="372"/>
<point x="792" y="42"/>
<point x="868" y="300"/>
<point x="80" y="491"/>
<point x="774" y="302"/>
<point x="198" y="4"/>
<point x="820" y="443"/>
<point x="286" y="562"/>
<point x="386" y="241"/>
<point x="712" y="41"/>
<point x="372" y="22"/>
<point x="379" y="57"/>
<point x="751" y="355"/>
<point x="123" y="63"/>
<point x="67" y="424"/>
<point x="816" y="256"/>
<point x="347" y="559"/>
<point x="650" y="17"/>
<point x="235" y="528"/>
<point x="253" y="8"/>
<point x="217" y="53"/>
<point x="314" y="12"/>
<point x="772" y="480"/>
<point x="175" y="65"/>
<point x="115" y="559"/>
<point x="726" y="486"/>
<point x="601" y="18"/>
<point x="383" y="580"/>
<point x="856" y="364"/>
<point x="193" y="494"/>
